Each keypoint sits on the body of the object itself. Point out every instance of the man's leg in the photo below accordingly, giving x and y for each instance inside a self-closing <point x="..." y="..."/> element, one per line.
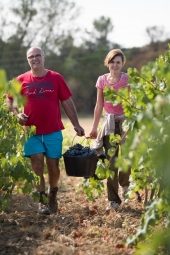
<point x="54" y="175"/>
<point x="53" y="171"/>
<point x="37" y="162"/>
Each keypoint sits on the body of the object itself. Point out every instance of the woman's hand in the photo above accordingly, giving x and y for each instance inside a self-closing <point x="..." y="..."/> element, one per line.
<point x="93" y="134"/>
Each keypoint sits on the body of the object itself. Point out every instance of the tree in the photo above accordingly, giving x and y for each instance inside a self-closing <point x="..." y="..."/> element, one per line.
<point x="155" y="33"/>
<point x="103" y="27"/>
<point x="41" y="23"/>
<point x="44" y="23"/>
<point x="98" y="37"/>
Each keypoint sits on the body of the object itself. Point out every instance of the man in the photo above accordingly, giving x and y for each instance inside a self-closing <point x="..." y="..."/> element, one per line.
<point x="44" y="90"/>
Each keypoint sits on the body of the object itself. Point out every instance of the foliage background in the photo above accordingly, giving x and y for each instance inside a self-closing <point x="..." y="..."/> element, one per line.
<point x="148" y="107"/>
<point x="52" y="26"/>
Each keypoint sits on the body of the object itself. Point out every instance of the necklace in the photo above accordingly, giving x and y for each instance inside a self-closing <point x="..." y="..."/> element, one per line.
<point x="39" y="78"/>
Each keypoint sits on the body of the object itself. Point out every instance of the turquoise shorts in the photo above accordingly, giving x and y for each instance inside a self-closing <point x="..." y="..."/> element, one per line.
<point x="49" y="144"/>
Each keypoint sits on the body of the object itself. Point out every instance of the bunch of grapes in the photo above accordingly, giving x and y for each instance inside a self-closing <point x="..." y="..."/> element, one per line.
<point x="78" y="150"/>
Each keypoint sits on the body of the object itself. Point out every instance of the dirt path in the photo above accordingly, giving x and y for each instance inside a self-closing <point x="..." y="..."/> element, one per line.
<point x="80" y="227"/>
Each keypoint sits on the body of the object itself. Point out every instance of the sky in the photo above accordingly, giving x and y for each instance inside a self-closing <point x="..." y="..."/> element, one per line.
<point x="130" y="18"/>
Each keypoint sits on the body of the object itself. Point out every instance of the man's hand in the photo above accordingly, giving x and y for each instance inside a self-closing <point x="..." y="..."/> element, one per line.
<point x="79" y="130"/>
<point x="70" y="111"/>
<point x="22" y="118"/>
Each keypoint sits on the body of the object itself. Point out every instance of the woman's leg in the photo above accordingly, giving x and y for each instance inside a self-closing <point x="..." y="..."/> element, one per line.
<point x="112" y="184"/>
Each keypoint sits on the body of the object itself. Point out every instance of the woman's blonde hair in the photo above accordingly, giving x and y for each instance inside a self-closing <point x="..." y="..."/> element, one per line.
<point x="112" y="54"/>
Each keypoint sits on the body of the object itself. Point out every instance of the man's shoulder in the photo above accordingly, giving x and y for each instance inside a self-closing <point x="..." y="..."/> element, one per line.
<point x="55" y="74"/>
<point x="23" y="76"/>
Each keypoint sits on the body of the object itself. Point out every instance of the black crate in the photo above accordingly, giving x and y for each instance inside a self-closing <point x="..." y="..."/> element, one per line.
<point x="80" y="166"/>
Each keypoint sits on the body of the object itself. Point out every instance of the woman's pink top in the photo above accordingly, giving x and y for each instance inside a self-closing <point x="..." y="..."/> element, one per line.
<point x="121" y="83"/>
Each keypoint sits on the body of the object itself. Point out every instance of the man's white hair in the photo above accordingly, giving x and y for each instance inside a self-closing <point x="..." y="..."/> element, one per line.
<point x="36" y="47"/>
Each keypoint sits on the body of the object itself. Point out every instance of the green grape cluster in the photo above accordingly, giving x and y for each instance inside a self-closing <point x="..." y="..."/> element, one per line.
<point x="29" y="130"/>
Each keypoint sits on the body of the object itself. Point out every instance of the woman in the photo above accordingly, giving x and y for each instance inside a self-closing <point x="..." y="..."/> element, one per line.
<point x="113" y="119"/>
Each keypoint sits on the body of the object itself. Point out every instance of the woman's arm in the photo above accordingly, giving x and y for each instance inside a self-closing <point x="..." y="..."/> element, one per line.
<point x="97" y="113"/>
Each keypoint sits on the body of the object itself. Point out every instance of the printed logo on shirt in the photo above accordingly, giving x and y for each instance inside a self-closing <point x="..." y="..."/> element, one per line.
<point x="39" y="89"/>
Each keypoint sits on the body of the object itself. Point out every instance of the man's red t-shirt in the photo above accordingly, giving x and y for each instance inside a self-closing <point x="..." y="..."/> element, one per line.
<point x="43" y="96"/>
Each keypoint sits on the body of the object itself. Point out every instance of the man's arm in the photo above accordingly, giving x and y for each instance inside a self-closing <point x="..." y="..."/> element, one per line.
<point x="10" y="106"/>
<point x="70" y="111"/>
<point x="22" y="117"/>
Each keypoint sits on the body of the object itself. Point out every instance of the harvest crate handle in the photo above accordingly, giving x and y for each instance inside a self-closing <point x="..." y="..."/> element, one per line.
<point x="85" y="137"/>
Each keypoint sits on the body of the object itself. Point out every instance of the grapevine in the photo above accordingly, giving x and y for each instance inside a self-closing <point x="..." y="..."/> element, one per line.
<point x="146" y="150"/>
<point x="15" y="170"/>
<point x="29" y="131"/>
